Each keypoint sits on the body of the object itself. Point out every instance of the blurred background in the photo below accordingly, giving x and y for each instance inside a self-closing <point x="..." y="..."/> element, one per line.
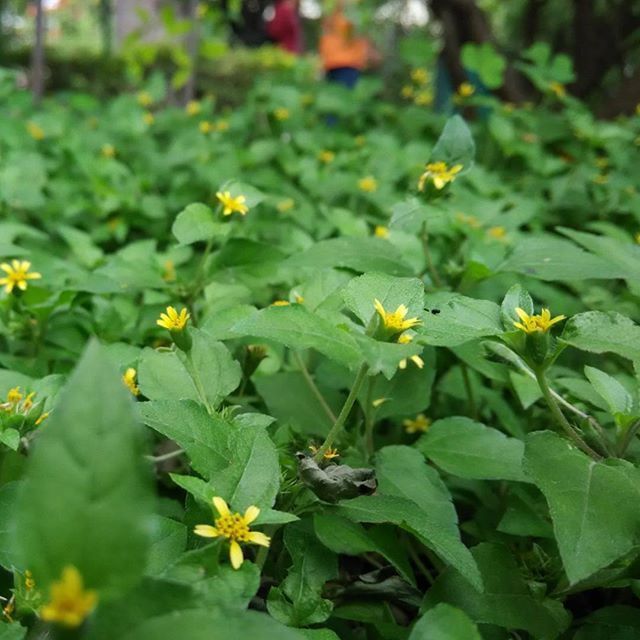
<point x="513" y="48"/>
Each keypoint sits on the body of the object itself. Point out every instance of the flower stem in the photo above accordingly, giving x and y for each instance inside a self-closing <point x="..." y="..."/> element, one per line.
<point x="560" y="418"/>
<point x="344" y="412"/>
<point x="313" y="387"/>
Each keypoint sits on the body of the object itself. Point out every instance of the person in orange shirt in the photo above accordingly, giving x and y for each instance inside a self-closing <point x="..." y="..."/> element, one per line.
<point x="344" y="54"/>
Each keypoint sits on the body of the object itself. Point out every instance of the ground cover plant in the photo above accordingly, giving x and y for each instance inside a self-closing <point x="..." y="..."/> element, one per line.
<point x="264" y="373"/>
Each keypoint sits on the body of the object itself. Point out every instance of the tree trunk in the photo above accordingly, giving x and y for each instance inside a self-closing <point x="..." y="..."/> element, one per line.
<point x="106" y="27"/>
<point x="37" y="56"/>
<point x="191" y="45"/>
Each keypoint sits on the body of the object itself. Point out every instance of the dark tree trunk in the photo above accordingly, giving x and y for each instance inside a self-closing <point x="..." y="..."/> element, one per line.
<point x="191" y="45"/>
<point x="37" y="57"/>
<point x="106" y="26"/>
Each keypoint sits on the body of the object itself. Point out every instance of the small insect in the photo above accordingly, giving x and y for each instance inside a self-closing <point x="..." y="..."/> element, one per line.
<point x="435" y="312"/>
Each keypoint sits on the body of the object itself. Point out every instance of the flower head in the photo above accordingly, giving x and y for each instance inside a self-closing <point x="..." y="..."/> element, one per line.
<point x="234" y="527"/>
<point x="423" y="98"/>
<point x="232" y="205"/>
<point x="282" y="114"/>
<point x="108" y="150"/>
<point x="205" y="126"/>
<point x="466" y="90"/>
<point x="420" y="76"/>
<point x="193" y="108"/>
<point x="129" y="379"/>
<point x="148" y="118"/>
<point x="69" y="603"/>
<point x="368" y="184"/>
<point x="440" y="174"/>
<point x="419" y="424"/>
<point x="540" y="323"/>
<point x="407" y="338"/>
<point x="35" y="130"/>
<point x="329" y="454"/>
<point x="17" y="275"/>
<point x="395" y="322"/>
<point x="144" y="99"/>
<point x="381" y="231"/>
<point x="326" y="156"/>
<point x="407" y="92"/>
<point x="172" y="320"/>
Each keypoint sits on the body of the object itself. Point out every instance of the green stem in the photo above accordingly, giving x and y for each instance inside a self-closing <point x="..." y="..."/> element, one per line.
<point x="195" y="376"/>
<point x="313" y="387"/>
<point x="344" y="412"/>
<point x="560" y="418"/>
<point x="628" y="437"/>
<point x="368" y="420"/>
<point x="473" y="409"/>
<point x="435" y="276"/>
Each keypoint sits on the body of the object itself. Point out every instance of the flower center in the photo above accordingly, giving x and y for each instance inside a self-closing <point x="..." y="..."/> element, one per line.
<point x="233" y="526"/>
<point x="395" y="321"/>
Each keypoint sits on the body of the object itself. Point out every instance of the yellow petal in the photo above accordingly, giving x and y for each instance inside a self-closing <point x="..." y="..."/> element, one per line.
<point x="257" y="537"/>
<point x="418" y="361"/>
<point x="522" y="314"/>
<point x="251" y="514"/>
<point x="6" y="267"/>
<point x="235" y="555"/>
<point x="206" y="531"/>
<point x="221" y="506"/>
<point x="379" y="308"/>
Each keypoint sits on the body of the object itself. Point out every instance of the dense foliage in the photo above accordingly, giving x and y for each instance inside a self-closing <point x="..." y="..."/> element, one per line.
<point x="393" y="391"/>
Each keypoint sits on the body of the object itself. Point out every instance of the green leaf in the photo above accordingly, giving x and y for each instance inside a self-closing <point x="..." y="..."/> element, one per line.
<point x="617" y="622"/>
<point x="506" y="601"/>
<point x="412" y="495"/>
<point x="360" y="293"/>
<point x="196" y="223"/>
<point x="456" y="319"/>
<point x="472" y="450"/>
<point x="455" y="144"/>
<point x="240" y="463"/>
<point x="13" y="631"/>
<point x="86" y="498"/>
<point x="602" y="332"/>
<point x="168" y="541"/>
<point x="486" y="62"/>
<point x="611" y="391"/>
<point x="516" y="297"/>
<point x="591" y="529"/>
<point x="445" y="622"/>
<point x="8" y="495"/>
<point x="297" y="328"/>
<point x="165" y="374"/>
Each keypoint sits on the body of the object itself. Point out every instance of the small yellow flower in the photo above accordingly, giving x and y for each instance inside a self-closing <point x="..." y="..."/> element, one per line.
<point x="419" y="424"/>
<point x="395" y="321"/>
<point x="536" y="323"/>
<point x="406" y="338"/>
<point x="423" y="98"/>
<point x="42" y="418"/>
<point x="408" y="92"/>
<point x="17" y="275"/>
<point x="499" y="233"/>
<point x="231" y="204"/>
<point x="27" y="403"/>
<point x="205" y="127"/>
<point x="172" y="320"/>
<point x="129" y="379"/>
<point x="381" y="232"/>
<point x="280" y="303"/>
<point x="14" y="395"/>
<point x="298" y="298"/>
<point x="326" y="156"/>
<point x="222" y="125"/>
<point x="169" y="273"/>
<point x="108" y="150"/>
<point x="558" y="89"/>
<point x="420" y="76"/>
<point x="368" y="184"/>
<point x="148" y="118"/>
<point x="29" y="582"/>
<point x="69" y="602"/>
<point x="466" y="90"/>
<point x="440" y="174"/>
<point x="35" y="131"/>
<point x="193" y="108"/>
<point x="281" y="114"/>
<point x="329" y="454"/>
<point x="144" y="99"/>
<point x="234" y="527"/>
<point x="285" y="205"/>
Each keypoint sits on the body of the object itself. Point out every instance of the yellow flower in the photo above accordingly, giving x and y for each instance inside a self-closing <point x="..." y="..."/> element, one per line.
<point x="193" y="108"/>
<point x="42" y="418"/>
<point x="205" y="126"/>
<point x="148" y="118"/>
<point x="108" y="150"/>
<point x="17" y="275"/>
<point x="326" y="156"/>
<point x="537" y="323"/>
<point x="558" y="89"/>
<point x="440" y="174"/>
<point x="144" y="99"/>
<point x="381" y="231"/>
<point x="466" y="90"/>
<point x="234" y="527"/>
<point x="406" y="338"/>
<point x="129" y="379"/>
<point x="284" y="205"/>
<point x="423" y="98"/>
<point x="27" y="403"/>
<point x="497" y="232"/>
<point x="329" y="454"/>
<point x="35" y="131"/>
<point x="69" y="603"/>
<point x="280" y="303"/>
<point x="222" y="125"/>
<point x="14" y="395"/>
<point x="368" y="184"/>
<point x="420" y="76"/>
<point x="172" y="320"/>
<point x="407" y="92"/>
<point x="169" y="274"/>
<point x="298" y="298"/>
<point x="394" y="321"/>
<point x="282" y="114"/>
<point x="419" y="424"/>
<point x="231" y="204"/>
